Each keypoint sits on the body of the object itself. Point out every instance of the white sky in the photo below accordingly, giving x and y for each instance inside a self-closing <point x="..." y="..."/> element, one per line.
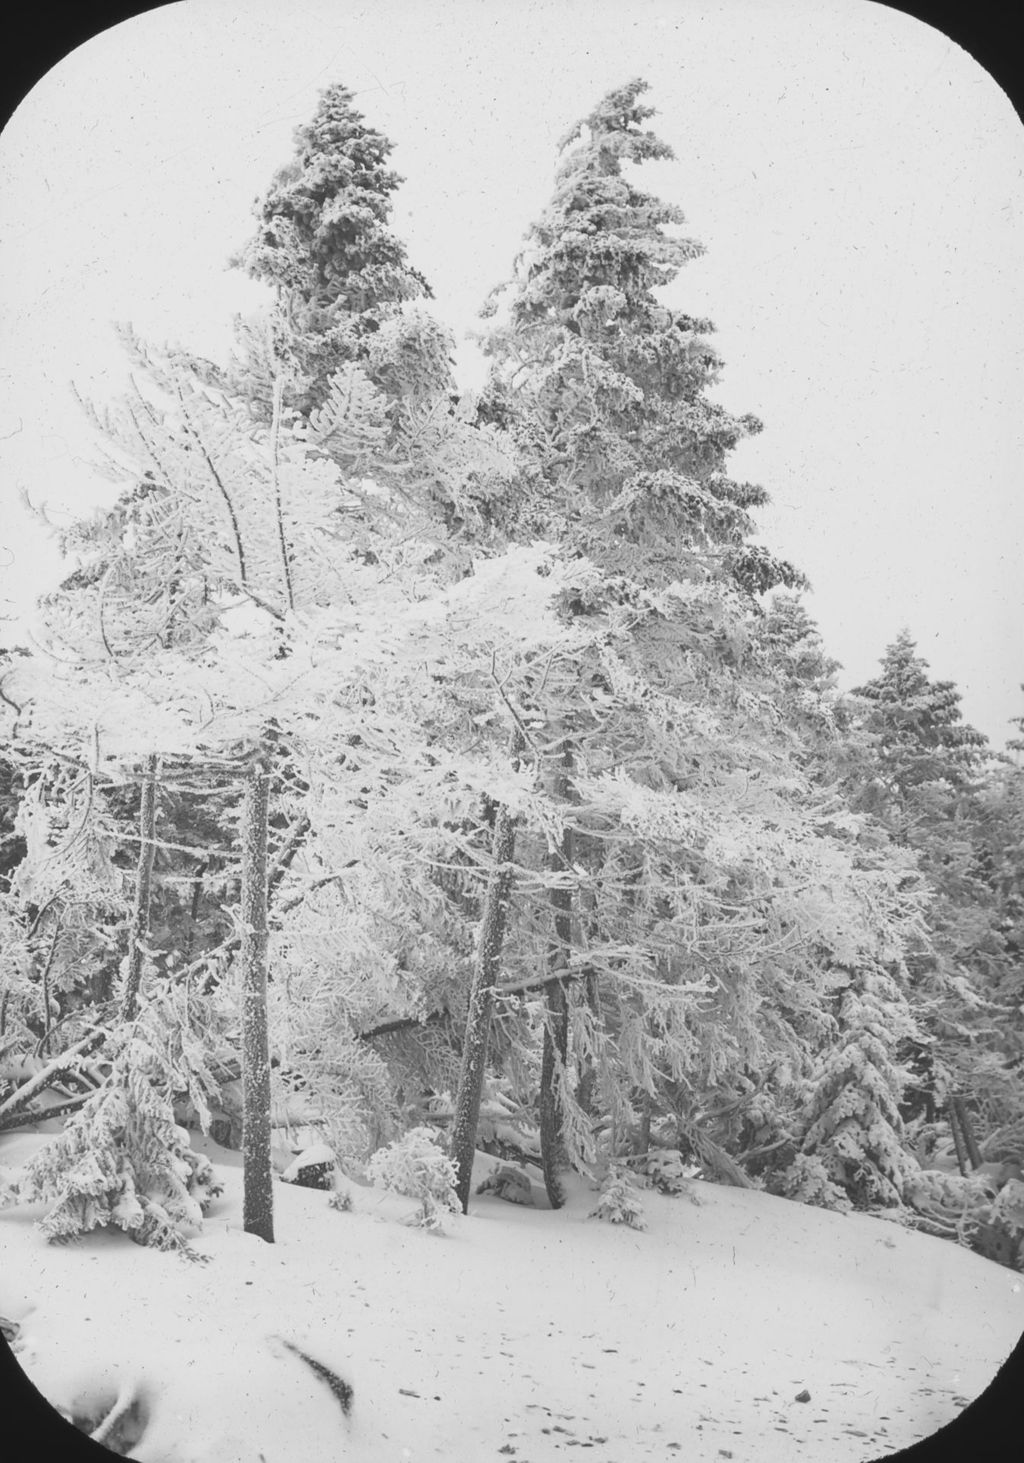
<point x="858" y="181"/>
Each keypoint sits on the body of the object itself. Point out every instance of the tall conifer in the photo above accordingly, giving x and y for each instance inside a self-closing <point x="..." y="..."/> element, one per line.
<point x="604" y="390"/>
<point x="928" y="787"/>
<point x="605" y="387"/>
<point x="324" y="246"/>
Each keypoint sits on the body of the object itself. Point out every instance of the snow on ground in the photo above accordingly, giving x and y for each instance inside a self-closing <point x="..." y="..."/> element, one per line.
<point x="519" y="1334"/>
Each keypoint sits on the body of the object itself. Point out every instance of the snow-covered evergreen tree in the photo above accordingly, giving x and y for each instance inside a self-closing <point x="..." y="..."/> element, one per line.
<point x="660" y="907"/>
<point x="604" y="389"/>
<point x="926" y="788"/>
<point x="922" y="736"/>
<point x="122" y="1159"/>
<point x="323" y="243"/>
<point x="808" y="692"/>
<point x="850" y="1131"/>
<point x="347" y="310"/>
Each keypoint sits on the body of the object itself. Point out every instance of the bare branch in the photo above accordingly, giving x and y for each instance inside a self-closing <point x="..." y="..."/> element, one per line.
<point x="310" y="888"/>
<point x="286" y="853"/>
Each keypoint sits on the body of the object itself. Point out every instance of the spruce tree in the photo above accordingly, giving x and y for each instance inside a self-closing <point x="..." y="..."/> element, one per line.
<point x="1000" y="848"/>
<point x="921" y="734"/>
<point x="850" y="1130"/>
<point x="925" y="789"/>
<point x="603" y="388"/>
<point x="323" y="244"/>
<point x="793" y="645"/>
<point x="348" y="310"/>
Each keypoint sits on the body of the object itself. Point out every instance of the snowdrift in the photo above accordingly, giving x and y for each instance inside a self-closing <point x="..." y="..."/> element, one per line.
<point x="739" y="1325"/>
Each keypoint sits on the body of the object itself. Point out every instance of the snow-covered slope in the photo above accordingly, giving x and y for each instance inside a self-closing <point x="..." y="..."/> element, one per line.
<point x="521" y="1333"/>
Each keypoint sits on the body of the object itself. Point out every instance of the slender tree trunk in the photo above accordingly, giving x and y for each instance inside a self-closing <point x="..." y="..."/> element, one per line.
<point x="45" y="982"/>
<point x="258" y="1193"/>
<point x="193" y="911"/>
<point x="491" y="938"/>
<point x="588" y="1076"/>
<point x="588" y="1072"/>
<point x="966" y="1144"/>
<point x="139" y="929"/>
<point x="556" y="1027"/>
<point x="642" y="1135"/>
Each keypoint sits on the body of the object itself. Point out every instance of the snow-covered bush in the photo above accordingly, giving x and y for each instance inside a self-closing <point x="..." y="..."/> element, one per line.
<point x="1008" y="1209"/>
<point x="620" y="1202"/>
<point x="807" y="1180"/>
<point x="982" y="1210"/>
<point x="669" y="1173"/>
<point x="509" y="1183"/>
<point x="122" y="1160"/>
<point x="1004" y="1240"/>
<point x="415" y="1165"/>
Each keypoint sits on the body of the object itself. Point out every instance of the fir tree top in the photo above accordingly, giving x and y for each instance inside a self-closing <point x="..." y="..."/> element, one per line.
<point x="324" y="235"/>
<point x="605" y="386"/>
<point x="323" y="244"/>
<point x="600" y="232"/>
<point x="794" y="641"/>
<point x="921" y="726"/>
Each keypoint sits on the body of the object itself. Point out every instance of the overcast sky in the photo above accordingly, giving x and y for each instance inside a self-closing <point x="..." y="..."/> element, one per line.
<point x="858" y="181"/>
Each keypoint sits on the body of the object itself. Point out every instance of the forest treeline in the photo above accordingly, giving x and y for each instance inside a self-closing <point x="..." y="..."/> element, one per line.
<point x="397" y="757"/>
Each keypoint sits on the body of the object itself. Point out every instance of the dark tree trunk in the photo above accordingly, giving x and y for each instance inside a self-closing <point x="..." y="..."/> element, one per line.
<point x="642" y="1135"/>
<point x="258" y="1193"/>
<point x="193" y="910"/>
<point x="556" y="1027"/>
<point x="585" y="1088"/>
<point x="966" y="1144"/>
<point x="44" y="981"/>
<point x="585" y="1093"/>
<point x="556" y="1041"/>
<point x="493" y="922"/>
<point x="139" y="928"/>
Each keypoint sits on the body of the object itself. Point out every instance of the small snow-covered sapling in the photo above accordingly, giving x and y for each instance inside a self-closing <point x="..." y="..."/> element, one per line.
<point x="416" y="1165"/>
<point x="620" y="1202"/>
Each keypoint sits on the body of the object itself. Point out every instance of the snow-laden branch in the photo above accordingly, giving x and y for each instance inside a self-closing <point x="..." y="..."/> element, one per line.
<point x="43" y="1079"/>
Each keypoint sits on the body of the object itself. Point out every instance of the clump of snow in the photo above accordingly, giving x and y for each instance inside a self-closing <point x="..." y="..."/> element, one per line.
<point x="668" y="1171"/>
<point x="530" y="1329"/>
<point x="316" y="1157"/>
<point x="509" y="1183"/>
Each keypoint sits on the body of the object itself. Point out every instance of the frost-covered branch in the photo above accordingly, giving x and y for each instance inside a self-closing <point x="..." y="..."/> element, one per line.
<point x="44" y="1078"/>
